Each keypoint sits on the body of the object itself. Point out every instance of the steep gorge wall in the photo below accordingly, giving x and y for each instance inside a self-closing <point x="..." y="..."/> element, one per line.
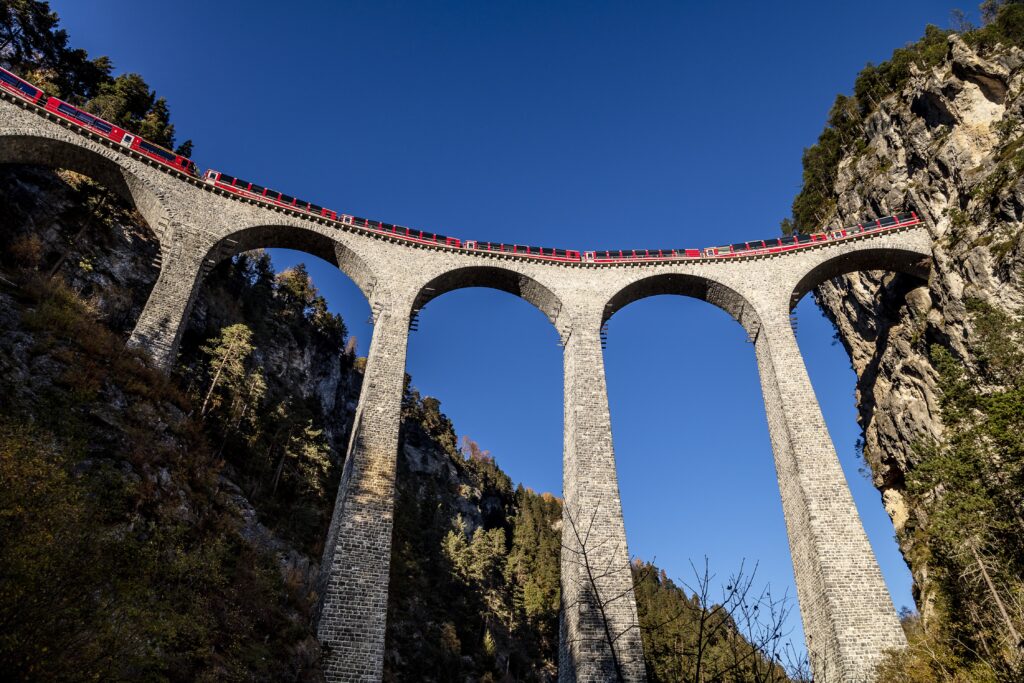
<point x="948" y="145"/>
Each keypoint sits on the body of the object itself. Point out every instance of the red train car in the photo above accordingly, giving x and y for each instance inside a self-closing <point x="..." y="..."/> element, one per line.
<point x="789" y="242"/>
<point x="120" y="135"/>
<point x="254" y="191"/>
<point x="542" y="253"/>
<point x="402" y="232"/>
<point x="95" y="124"/>
<point x="19" y="87"/>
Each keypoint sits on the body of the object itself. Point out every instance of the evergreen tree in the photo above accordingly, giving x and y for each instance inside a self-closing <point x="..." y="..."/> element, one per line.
<point x="227" y="354"/>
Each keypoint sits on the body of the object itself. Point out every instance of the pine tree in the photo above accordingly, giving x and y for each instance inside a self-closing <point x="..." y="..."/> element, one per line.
<point x="227" y="353"/>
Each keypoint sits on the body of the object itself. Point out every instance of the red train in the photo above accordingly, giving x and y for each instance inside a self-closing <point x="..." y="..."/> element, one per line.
<point x="95" y="124"/>
<point x="249" y="190"/>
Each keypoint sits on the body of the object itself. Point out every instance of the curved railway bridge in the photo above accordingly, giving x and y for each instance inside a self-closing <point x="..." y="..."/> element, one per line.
<point x="848" y="615"/>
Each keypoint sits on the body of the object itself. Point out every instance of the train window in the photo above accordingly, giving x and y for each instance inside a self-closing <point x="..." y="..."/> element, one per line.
<point x="101" y="125"/>
<point x="316" y="209"/>
<point x="788" y="239"/>
<point x="67" y="109"/>
<point x="507" y="247"/>
<point x="257" y="189"/>
<point x="803" y="239"/>
<point x="21" y="85"/>
<point x="560" y="252"/>
<point x="903" y="217"/>
<point x="739" y="247"/>
<point x="887" y="221"/>
<point x="287" y="200"/>
<point x="226" y="179"/>
<point x="87" y="119"/>
<point x="158" y="151"/>
<point x="28" y="89"/>
<point x="440" y="238"/>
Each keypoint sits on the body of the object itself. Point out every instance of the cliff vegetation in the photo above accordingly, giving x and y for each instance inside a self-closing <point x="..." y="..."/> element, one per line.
<point x="939" y="129"/>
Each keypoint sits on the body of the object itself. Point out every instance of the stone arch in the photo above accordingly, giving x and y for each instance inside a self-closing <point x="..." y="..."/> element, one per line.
<point x="300" y="238"/>
<point x="894" y="259"/>
<point x="492" y="277"/>
<point x="27" y="148"/>
<point x="684" y="284"/>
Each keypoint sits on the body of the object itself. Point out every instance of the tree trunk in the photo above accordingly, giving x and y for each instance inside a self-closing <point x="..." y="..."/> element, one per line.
<point x="995" y="595"/>
<point x="216" y="378"/>
<point x="280" y="464"/>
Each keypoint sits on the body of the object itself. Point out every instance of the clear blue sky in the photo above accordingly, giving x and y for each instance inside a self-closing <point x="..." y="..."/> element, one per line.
<point x="574" y="124"/>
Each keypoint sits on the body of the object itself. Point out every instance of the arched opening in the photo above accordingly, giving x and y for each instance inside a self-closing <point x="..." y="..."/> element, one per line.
<point x="35" y="150"/>
<point x="73" y="215"/>
<point x="890" y="288"/>
<point x="300" y="238"/>
<point x="475" y="574"/>
<point x="492" y="277"/>
<point x="695" y="463"/>
<point x="270" y="357"/>
<point x="905" y="261"/>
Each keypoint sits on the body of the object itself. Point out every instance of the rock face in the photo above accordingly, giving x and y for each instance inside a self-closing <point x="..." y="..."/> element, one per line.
<point x="948" y="146"/>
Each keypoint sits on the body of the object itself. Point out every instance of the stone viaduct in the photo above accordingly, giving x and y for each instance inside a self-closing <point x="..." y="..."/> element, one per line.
<point x="847" y="613"/>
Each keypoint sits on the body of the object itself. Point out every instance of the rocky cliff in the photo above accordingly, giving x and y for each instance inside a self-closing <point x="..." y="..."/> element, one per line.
<point x="947" y="143"/>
